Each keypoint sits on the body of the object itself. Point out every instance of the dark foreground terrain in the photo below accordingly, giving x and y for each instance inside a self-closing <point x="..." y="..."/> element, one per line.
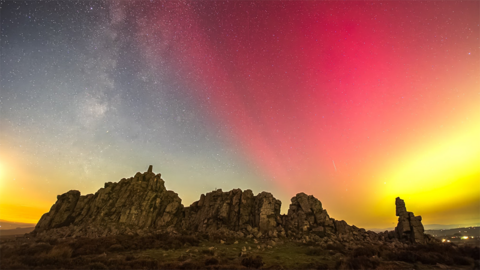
<point x="166" y="251"/>
<point x="16" y="232"/>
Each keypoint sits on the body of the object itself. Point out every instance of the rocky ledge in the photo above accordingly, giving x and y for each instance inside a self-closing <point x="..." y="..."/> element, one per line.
<point x="142" y="206"/>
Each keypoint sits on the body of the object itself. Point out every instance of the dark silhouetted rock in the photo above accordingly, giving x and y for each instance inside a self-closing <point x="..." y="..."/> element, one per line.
<point x="61" y="213"/>
<point x="234" y="210"/>
<point x="306" y="215"/>
<point x="409" y="226"/>
<point x="141" y="205"/>
<point x="138" y="203"/>
<point x="400" y="207"/>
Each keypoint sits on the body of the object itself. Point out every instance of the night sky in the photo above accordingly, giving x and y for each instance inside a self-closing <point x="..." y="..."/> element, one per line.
<point x="354" y="102"/>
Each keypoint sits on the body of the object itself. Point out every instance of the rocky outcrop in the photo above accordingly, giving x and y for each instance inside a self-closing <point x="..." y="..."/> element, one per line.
<point x="409" y="226"/>
<point x="306" y="214"/>
<point x="133" y="204"/>
<point x="61" y="213"/>
<point x="141" y="205"/>
<point x="235" y="210"/>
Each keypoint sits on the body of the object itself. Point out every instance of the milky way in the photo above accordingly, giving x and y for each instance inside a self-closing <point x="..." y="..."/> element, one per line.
<point x="354" y="102"/>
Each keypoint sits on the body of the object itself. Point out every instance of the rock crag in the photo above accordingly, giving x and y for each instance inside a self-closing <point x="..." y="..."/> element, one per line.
<point x="409" y="226"/>
<point x="141" y="205"/>
<point x="129" y="206"/>
<point x="235" y="210"/>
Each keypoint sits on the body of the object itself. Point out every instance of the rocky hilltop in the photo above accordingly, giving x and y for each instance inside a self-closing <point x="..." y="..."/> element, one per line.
<point x="132" y="205"/>
<point x="141" y="205"/>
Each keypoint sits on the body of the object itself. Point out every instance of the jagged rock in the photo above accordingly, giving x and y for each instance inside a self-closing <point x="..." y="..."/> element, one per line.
<point x="409" y="226"/>
<point x="400" y="207"/>
<point x="61" y="212"/>
<point x="141" y="202"/>
<point x="267" y="212"/>
<point x="342" y="227"/>
<point x="306" y="214"/>
<point x="233" y="210"/>
<point x="141" y="205"/>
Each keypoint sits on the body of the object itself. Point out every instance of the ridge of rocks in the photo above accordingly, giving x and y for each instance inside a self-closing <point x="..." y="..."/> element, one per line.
<point x="141" y="205"/>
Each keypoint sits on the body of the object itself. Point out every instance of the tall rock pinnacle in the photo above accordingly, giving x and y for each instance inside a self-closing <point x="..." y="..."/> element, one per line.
<point x="409" y="226"/>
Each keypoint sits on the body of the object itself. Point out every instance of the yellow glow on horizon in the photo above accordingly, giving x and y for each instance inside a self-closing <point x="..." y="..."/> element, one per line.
<point x="20" y="213"/>
<point x="1" y="171"/>
<point x="20" y="200"/>
<point x="444" y="174"/>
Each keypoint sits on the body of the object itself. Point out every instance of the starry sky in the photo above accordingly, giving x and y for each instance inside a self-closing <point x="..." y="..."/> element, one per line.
<point x="354" y="102"/>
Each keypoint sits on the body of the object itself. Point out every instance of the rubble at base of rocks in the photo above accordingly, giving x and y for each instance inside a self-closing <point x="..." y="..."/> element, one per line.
<point x="141" y="205"/>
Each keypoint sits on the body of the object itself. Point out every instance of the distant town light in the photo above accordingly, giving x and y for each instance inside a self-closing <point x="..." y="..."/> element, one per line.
<point x="464" y="237"/>
<point x="443" y="240"/>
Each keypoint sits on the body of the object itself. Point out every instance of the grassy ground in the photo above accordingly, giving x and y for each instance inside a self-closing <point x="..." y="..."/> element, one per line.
<point x="191" y="252"/>
<point x="289" y="255"/>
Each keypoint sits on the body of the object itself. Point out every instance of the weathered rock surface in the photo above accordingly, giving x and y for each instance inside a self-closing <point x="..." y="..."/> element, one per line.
<point x="306" y="214"/>
<point x="234" y="210"/>
<point x="61" y="212"/>
<point x="141" y="205"/>
<point x="409" y="226"/>
<point x="137" y="203"/>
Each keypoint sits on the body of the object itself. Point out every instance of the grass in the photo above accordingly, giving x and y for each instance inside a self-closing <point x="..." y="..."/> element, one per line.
<point x="289" y="255"/>
<point x="172" y="252"/>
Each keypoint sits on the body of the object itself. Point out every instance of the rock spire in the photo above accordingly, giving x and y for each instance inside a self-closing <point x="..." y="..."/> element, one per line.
<point x="409" y="226"/>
